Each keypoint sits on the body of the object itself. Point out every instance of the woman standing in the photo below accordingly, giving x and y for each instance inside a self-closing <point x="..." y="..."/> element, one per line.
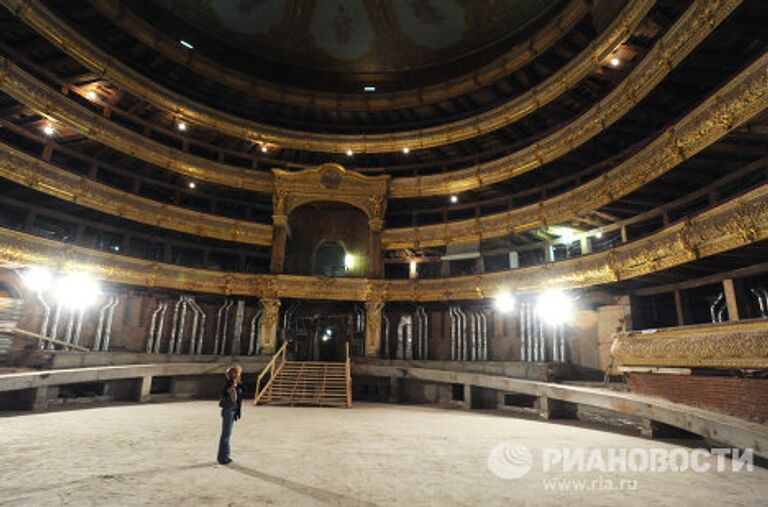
<point x="230" y="402"/>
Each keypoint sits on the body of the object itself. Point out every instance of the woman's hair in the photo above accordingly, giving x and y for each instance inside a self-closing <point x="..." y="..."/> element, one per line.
<point x="234" y="372"/>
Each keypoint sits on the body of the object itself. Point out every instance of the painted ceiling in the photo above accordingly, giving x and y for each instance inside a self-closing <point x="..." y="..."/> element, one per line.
<point x="356" y="36"/>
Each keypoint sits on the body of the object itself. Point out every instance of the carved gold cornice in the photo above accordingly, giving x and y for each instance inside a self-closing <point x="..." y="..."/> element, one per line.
<point x="34" y="13"/>
<point x="726" y="345"/>
<point x="44" y="177"/>
<point x="30" y="91"/>
<point x="701" y="18"/>
<point x="514" y="59"/>
<point x="737" y="102"/>
<point x="330" y="182"/>
<point x="736" y="223"/>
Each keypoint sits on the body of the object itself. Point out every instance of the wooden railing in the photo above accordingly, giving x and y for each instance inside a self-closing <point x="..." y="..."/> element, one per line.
<point x="273" y="369"/>
<point x="348" y="369"/>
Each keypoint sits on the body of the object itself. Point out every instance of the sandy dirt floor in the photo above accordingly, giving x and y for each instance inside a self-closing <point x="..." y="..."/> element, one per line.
<point x="163" y="454"/>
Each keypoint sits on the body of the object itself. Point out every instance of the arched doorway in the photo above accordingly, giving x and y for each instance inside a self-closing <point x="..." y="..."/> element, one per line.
<point x="329" y="259"/>
<point x="327" y="239"/>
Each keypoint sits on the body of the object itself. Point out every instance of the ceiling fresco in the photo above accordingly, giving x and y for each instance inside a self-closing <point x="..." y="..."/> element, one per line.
<point x="350" y="35"/>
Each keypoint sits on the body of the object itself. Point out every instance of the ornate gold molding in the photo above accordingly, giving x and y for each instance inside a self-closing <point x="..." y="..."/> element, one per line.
<point x="44" y="177"/>
<point x="330" y="182"/>
<point x="736" y="223"/>
<point x="735" y="103"/>
<point x="26" y="89"/>
<point x="514" y="59"/>
<point x="740" y="344"/>
<point x="34" y="13"/>
<point x="701" y="18"/>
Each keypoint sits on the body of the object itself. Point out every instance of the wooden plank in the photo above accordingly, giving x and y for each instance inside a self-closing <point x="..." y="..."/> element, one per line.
<point x="29" y="335"/>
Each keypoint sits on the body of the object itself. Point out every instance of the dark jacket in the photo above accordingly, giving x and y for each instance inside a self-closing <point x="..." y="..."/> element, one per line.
<point x="232" y="397"/>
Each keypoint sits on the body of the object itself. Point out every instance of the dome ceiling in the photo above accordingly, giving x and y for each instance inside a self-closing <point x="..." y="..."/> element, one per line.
<point x="372" y="40"/>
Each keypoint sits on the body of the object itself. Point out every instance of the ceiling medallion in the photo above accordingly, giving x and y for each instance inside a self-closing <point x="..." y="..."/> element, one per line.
<point x="331" y="177"/>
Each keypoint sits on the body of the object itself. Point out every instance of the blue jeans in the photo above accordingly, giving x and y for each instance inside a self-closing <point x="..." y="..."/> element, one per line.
<point x="227" y="421"/>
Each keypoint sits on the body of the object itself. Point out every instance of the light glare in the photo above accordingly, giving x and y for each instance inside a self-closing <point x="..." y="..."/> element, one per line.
<point x="186" y="44"/>
<point x="38" y="279"/>
<point x="77" y="291"/>
<point x="48" y="129"/>
<point x="554" y="307"/>
<point x="504" y="302"/>
<point x="349" y="261"/>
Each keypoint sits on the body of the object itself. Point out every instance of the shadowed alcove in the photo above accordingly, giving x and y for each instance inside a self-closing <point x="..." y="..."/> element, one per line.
<point x="321" y="235"/>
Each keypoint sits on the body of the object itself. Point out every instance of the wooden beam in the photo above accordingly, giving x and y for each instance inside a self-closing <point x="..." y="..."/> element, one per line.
<point x="730" y="299"/>
<point x="756" y="269"/>
<point x="29" y="335"/>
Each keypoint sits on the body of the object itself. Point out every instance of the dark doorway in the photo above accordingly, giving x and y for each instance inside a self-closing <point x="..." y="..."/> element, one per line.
<point x="329" y="259"/>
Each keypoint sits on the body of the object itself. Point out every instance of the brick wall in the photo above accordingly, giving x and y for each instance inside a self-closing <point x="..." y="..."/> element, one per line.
<point x="743" y="397"/>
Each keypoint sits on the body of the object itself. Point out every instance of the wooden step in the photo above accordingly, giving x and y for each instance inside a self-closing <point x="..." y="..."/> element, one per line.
<point x="309" y="383"/>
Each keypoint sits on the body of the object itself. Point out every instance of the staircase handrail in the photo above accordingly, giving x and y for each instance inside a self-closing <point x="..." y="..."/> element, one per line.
<point x="273" y="370"/>
<point x="348" y="368"/>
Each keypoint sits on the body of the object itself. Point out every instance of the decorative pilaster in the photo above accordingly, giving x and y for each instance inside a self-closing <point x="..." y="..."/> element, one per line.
<point x="268" y="324"/>
<point x="375" y="266"/>
<point x="279" y="238"/>
<point x="373" y="328"/>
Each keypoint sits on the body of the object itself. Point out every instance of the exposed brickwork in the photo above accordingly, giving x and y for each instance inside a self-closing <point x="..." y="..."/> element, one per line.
<point x="743" y="397"/>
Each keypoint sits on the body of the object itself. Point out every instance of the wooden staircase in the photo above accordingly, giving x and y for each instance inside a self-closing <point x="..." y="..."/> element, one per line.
<point x="323" y="384"/>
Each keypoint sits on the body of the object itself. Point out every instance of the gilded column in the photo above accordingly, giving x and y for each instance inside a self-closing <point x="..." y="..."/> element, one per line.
<point x="279" y="237"/>
<point x="268" y="324"/>
<point x="376" y="207"/>
<point x="373" y="328"/>
<point x="279" y="230"/>
<point x="375" y="269"/>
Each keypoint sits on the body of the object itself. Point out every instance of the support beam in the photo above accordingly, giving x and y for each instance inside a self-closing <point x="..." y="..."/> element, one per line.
<point x="394" y="390"/>
<point x="550" y="408"/>
<point x="373" y="328"/>
<point x="268" y="325"/>
<point x="279" y="238"/>
<point x="467" y="396"/>
<point x="731" y="300"/>
<point x="679" y="310"/>
<point x="375" y="266"/>
<point x="144" y="388"/>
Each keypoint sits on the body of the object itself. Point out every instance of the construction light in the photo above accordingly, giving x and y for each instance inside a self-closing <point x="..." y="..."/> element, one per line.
<point x="38" y="279"/>
<point x="77" y="291"/>
<point x="554" y="307"/>
<point x="349" y="261"/>
<point x="504" y="302"/>
<point x="49" y="129"/>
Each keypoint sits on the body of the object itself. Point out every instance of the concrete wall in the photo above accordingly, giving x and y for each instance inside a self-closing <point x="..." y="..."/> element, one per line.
<point x="588" y="335"/>
<point x="132" y="318"/>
